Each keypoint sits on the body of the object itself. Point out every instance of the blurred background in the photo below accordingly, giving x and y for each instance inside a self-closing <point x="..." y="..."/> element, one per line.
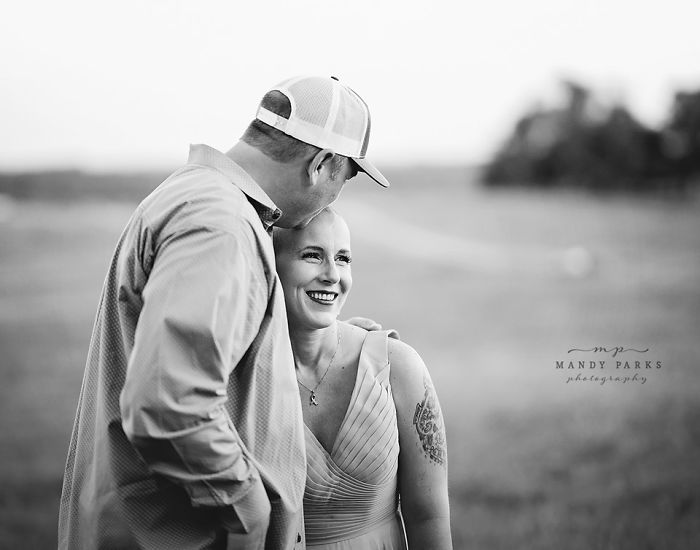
<point x="544" y="212"/>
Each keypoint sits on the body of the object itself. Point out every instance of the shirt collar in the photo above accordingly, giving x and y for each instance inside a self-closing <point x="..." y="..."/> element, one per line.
<point x="208" y="156"/>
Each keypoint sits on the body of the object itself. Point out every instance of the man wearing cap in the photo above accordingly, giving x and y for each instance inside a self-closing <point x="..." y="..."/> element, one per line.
<point x="189" y="432"/>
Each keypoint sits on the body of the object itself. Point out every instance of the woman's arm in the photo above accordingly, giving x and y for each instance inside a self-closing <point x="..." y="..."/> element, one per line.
<point x="423" y="456"/>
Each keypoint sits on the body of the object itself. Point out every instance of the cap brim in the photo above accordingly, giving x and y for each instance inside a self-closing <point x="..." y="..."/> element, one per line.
<point x="368" y="168"/>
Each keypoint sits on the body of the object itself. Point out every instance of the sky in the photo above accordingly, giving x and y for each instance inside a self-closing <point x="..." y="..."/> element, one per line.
<point x="130" y="84"/>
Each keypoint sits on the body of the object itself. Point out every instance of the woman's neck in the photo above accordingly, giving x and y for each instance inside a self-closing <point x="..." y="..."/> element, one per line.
<point x="313" y="348"/>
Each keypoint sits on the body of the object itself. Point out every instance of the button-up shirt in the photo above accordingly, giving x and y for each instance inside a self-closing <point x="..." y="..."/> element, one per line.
<point x="189" y="427"/>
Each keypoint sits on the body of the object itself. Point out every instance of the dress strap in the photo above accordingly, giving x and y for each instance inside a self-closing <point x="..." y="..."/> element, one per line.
<point x="375" y="353"/>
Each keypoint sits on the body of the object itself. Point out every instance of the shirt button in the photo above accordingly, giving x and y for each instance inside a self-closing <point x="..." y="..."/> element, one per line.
<point x="276" y="215"/>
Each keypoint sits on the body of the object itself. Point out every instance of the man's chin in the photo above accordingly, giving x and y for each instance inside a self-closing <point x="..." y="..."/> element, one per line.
<point x="295" y="225"/>
<point x="302" y="224"/>
<point x="306" y="221"/>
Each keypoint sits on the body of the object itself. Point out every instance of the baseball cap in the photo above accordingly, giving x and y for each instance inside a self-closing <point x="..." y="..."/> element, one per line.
<point x="327" y="114"/>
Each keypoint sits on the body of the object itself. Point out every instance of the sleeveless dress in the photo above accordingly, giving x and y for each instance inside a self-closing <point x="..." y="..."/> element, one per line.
<point x="351" y="496"/>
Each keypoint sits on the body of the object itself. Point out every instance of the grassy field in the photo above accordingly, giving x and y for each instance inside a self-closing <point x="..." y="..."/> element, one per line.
<point x="492" y="288"/>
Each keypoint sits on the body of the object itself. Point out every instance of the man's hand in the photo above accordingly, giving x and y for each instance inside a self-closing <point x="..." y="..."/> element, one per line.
<point x="363" y="322"/>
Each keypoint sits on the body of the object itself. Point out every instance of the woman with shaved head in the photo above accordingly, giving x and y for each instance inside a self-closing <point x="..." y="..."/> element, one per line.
<point x="375" y="437"/>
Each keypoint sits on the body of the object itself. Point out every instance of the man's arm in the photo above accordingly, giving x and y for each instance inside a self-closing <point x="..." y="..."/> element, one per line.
<point x="202" y="306"/>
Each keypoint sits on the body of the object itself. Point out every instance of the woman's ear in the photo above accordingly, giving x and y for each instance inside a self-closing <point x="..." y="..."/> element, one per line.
<point x="322" y="161"/>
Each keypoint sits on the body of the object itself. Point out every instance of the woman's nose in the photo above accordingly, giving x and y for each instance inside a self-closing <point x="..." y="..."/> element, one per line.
<point x="330" y="273"/>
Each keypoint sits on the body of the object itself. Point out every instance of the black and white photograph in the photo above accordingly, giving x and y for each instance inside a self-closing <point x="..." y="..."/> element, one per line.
<point x="350" y="275"/>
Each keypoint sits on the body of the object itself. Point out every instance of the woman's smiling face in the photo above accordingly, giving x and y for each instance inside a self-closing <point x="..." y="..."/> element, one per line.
<point x="313" y="264"/>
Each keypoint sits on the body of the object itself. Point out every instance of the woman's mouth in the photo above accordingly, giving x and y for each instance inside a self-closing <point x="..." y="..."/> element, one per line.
<point x="325" y="298"/>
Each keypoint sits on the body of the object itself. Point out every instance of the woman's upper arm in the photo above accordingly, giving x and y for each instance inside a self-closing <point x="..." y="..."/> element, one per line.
<point x="423" y="455"/>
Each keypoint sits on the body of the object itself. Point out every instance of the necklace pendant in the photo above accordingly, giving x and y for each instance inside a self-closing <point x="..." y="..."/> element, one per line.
<point x="312" y="399"/>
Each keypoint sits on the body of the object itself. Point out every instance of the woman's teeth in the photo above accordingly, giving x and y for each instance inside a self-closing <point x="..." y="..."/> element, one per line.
<point x="322" y="296"/>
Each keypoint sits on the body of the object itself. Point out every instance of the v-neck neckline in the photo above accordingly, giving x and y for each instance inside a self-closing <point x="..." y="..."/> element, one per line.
<point x="336" y="439"/>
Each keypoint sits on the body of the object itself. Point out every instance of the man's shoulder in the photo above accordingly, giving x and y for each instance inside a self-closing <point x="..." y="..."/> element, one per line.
<point x="200" y="196"/>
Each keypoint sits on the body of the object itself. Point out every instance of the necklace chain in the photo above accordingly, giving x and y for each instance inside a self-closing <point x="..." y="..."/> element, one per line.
<point x="312" y="396"/>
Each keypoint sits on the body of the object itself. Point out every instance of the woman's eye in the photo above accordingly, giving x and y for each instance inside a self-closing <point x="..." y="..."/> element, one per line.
<point x="313" y="256"/>
<point x="343" y="259"/>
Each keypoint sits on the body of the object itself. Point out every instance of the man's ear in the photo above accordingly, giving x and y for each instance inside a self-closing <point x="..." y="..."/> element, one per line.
<point x="323" y="160"/>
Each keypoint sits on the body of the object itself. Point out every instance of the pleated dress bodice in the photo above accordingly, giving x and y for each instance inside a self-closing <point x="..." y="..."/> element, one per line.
<point x="351" y="496"/>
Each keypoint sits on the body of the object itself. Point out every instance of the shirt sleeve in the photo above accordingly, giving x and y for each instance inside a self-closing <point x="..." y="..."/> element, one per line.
<point x="202" y="307"/>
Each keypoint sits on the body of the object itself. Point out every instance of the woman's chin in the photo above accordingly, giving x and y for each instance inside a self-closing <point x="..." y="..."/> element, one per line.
<point x="318" y="321"/>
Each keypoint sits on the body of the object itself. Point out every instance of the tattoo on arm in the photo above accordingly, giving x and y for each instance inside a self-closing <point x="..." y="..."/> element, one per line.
<point x="430" y="426"/>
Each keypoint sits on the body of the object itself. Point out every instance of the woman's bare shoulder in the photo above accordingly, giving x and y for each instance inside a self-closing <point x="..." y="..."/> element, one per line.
<point x="407" y="366"/>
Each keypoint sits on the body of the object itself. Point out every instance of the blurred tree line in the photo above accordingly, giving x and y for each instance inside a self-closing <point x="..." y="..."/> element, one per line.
<point x="587" y="145"/>
<point x="78" y="185"/>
